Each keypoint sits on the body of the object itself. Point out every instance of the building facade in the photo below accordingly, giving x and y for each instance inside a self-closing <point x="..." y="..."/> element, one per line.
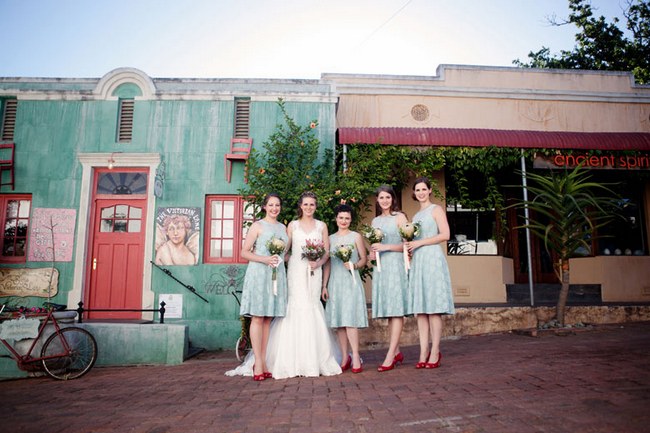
<point x="123" y="191"/>
<point x="108" y="172"/>
<point x="571" y="113"/>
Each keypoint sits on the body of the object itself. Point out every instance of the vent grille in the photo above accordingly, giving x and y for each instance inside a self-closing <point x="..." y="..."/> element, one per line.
<point x="242" y="117"/>
<point x="125" y="121"/>
<point x="9" y="119"/>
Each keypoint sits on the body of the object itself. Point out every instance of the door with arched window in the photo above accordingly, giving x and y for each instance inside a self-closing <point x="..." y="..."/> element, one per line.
<point x="116" y="262"/>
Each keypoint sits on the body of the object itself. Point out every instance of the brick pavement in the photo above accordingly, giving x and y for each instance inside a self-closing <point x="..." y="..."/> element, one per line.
<point x="592" y="381"/>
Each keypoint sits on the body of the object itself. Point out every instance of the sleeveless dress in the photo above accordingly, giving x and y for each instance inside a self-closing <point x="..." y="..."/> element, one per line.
<point x="257" y="297"/>
<point x="300" y="343"/>
<point x="390" y="294"/>
<point x="346" y="306"/>
<point x="429" y="279"/>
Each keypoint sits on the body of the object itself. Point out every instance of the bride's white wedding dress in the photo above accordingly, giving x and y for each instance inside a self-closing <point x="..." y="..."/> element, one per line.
<point x="300" y="343"/>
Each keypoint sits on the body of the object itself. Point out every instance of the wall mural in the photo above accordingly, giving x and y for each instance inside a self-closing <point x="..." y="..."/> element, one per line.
<point x="51" y="235"/>
<point x="178" y="230"/>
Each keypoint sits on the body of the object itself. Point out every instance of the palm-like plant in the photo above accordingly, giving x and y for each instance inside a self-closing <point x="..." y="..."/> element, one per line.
<point x="567" y="211"/>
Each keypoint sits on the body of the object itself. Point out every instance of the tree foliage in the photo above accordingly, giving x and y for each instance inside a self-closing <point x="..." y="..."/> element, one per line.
<point x="290" y="165"/>
<point x="602" y="45"/>
<point x="567" y="211"/>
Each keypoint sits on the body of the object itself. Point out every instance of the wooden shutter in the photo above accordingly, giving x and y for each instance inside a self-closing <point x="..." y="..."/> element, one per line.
<point x="9" y="119"/>
<point x="125" y="120"/>
<point x="242" y="117"/>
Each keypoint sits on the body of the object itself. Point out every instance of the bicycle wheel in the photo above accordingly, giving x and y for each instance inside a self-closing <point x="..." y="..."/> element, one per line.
<point x="241" y="348"/>
<point x="82" y="356"/>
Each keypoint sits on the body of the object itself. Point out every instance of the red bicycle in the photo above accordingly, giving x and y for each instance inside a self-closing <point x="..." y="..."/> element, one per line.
<point x="68" y="352"/>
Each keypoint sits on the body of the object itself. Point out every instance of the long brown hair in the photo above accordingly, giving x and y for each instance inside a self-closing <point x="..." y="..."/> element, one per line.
<point x="394" y="206"/>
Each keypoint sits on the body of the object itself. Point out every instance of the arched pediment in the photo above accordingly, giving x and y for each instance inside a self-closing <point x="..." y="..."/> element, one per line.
<point x="107" y="87"/>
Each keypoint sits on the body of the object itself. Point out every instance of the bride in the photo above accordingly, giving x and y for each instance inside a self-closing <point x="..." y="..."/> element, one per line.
<point x="300" y="343"/>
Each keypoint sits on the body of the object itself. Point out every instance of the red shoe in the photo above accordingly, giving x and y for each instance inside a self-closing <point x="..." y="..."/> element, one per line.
<point x="347" y="364"/>
<point x="423" y="364"/>
<point x="268" y="375"/>
<point x="258" y="377"/>
<point x="383" y="368"/>
<point x="434" y="364"/>
<point x="399" y="358"/>
<point x="357" y="370"/>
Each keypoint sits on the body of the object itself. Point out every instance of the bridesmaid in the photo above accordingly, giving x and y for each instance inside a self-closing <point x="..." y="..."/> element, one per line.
<point x="258" y="298"/>
<point x="390" y="297"/>
<point x="346" y="301"/>
<point x="429" y="280"/>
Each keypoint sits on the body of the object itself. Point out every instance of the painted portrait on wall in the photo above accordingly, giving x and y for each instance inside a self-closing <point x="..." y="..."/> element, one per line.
<point x="178" y="230"/>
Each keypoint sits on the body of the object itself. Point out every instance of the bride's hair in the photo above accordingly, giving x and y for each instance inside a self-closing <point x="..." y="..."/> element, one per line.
<point x="304" y="195"/>
<point x="394" y="206"/>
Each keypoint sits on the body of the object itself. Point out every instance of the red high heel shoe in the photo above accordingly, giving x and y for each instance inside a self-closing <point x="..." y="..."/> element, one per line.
<point x="268" y="375"/>
<point x="399" y="358"/>
<point x="421" y="364"/>
<point x="258" y="377"/>
<point x="434" y="364"/>
<point x="347" y="364"/>
<point x="360" y="369"/>
<point x="383" y="368"/>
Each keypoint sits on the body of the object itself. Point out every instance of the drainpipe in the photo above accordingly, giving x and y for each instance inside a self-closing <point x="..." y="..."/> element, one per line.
<point x="345" y="157"/>
<point x="527" y="218"/>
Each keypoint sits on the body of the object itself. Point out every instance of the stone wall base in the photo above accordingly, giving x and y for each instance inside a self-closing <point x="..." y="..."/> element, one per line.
<point x="487" y="320"/>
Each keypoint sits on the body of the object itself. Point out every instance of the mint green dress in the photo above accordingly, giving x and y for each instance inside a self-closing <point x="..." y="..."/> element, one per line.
<point x="346" y="306"/>
<point x="257" y="297"/>
<point x="429" y="280"/>
<point x="390" y="289"/>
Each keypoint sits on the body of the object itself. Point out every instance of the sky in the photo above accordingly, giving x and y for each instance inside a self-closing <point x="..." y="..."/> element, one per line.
<point x="290" y="39"/>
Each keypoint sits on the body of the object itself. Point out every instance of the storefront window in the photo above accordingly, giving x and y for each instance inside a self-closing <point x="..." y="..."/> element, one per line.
<point x="471" y="231"/>
<point x="625" y="236"/>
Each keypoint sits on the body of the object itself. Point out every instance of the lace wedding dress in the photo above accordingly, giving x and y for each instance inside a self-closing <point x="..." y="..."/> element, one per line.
<point x="300" y="343"/>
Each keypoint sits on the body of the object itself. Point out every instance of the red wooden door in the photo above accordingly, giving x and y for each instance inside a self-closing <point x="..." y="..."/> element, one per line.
<point x="117" y="261"/>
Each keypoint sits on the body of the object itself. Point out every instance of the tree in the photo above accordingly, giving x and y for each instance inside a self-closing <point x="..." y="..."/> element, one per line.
<point x="290" y="165"/>
<point x="567" y="211"/>
<point x="601" y="45"/>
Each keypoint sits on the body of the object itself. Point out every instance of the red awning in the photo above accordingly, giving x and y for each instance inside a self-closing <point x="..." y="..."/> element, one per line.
<point x="496" y="137"/>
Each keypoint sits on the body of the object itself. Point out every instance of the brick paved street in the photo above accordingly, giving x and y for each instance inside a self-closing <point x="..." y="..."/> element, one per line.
<point x="591" y="381"/>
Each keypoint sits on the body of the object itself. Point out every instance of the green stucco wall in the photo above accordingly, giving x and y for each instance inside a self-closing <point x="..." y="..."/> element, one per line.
<point x="191" y="135"/>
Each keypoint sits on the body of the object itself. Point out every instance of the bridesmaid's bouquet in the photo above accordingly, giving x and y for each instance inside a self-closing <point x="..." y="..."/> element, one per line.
<point x="344" y="252"/>
<point x="276" y="247"/>
<point x="313" y="250"/>
<point x="374" y="236"/>
<point x="408" y="232"/>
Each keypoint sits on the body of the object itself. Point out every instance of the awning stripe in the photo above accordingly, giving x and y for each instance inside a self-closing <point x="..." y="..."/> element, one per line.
<point x="496" y="137"/>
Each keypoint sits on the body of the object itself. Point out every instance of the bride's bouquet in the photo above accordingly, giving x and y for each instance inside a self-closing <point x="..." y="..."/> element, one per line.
<point x="276" y="247"/>
<point x="313" y="250"/>
<point x="374" y="236"/>
<point x="344" y="252"/>
<point x="408" y="232"/>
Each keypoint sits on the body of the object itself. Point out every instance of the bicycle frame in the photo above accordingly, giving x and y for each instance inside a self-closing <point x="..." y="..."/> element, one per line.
<point x="24" y="360"/>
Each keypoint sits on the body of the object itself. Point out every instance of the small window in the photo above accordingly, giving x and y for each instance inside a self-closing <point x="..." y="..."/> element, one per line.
<point x="228" y="218"/>
<point x="121" y="183"/>
<point x="15" y="214"/>
<point x="242" y="117"/>
<point x="626" y="235"/>
<point x="8" y="125"/>
<point x="472" y="231"/>
<point x="125" y="120"/>
<point x="473" y="226"/>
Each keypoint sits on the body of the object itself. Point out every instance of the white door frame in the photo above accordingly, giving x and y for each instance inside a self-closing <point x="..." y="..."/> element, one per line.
<point x="90" y="161"/>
